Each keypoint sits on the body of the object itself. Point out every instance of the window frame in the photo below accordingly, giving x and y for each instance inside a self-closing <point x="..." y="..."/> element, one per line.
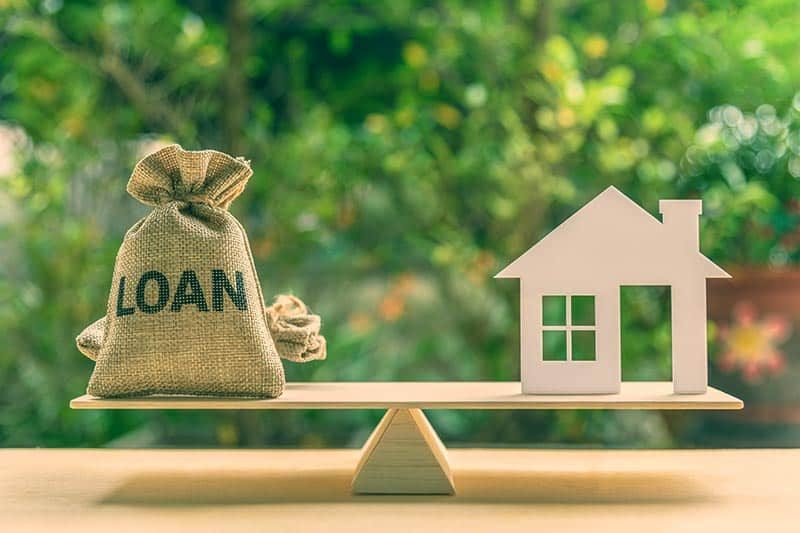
<point x="568" y="328"/>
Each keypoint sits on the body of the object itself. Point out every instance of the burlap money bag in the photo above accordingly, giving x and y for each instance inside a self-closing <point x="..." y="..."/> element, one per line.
<point x="185" y="312"/>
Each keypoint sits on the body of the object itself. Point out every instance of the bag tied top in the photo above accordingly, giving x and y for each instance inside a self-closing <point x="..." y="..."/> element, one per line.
<point x="205" y="177"/>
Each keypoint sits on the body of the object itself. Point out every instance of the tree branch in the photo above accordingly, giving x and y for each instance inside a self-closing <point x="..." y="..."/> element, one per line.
<point x="234" y="116"/>
<point x="145" y="98"/>
<point x="150" y="101"/>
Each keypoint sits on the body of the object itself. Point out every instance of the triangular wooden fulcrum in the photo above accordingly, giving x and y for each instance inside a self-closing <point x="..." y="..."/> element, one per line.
<point x="404" y="455"/>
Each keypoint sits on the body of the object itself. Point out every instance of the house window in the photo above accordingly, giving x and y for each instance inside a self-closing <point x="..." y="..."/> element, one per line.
<point x="568" y="328"/>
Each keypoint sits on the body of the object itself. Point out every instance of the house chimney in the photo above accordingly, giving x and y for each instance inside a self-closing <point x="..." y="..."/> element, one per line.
<point x="681" y="219"/>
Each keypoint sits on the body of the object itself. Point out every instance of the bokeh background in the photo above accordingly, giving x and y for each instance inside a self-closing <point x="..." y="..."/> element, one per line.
<point x="404" y="152"/>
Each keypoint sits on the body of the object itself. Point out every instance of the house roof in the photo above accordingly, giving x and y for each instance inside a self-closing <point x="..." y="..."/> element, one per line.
<point x="612" y="233"/>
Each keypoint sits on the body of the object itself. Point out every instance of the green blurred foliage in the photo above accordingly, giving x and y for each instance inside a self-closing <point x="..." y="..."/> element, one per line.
<point x="403" y="152"/>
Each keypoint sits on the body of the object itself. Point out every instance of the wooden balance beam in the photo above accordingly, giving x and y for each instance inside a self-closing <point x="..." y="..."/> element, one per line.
<point x="404" y="455"/>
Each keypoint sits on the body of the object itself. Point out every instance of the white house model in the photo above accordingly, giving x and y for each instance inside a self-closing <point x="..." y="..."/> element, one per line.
<point x="570" y="292"/>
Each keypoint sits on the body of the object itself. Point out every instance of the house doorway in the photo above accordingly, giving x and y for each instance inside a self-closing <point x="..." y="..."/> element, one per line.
<point x="646" y="332"/>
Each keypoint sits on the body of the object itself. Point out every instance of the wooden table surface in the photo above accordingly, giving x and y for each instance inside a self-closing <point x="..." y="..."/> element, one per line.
<point x="308" y="490"/>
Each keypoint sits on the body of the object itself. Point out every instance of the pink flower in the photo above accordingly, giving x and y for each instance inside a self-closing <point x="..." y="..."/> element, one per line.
<point x="751" y="345"/>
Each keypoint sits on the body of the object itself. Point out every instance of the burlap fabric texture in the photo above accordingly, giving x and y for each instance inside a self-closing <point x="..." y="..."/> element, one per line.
<point x="294" y="329"/>
<point x="185" y="312"/>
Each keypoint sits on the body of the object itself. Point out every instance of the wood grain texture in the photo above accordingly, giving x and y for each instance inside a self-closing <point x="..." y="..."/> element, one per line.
<point x="404" y="455"/>
<point x="432" y="395"/>
<point x="309" y="490"/>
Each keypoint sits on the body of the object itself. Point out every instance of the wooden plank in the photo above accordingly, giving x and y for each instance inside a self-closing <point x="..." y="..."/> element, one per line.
<point x="432" y="395"/>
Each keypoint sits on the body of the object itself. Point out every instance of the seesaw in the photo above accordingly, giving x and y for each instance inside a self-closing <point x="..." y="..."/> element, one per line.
<point x="404" y="455"/>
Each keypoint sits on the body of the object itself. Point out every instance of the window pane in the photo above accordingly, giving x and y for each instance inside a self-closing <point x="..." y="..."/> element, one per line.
<point x="554" y="345"/>
<point x="583" y="310"/>
<point x="554" y="310"/>
<point x="583" y="348"/>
